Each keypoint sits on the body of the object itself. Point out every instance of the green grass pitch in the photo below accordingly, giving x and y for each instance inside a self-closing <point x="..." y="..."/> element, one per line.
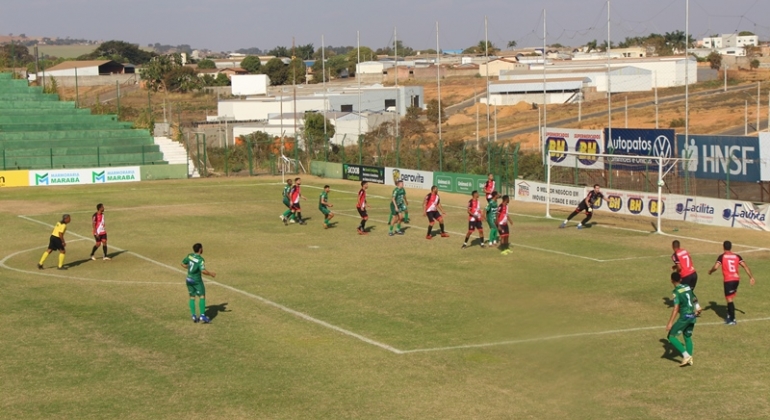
<point x="327" y="324"/>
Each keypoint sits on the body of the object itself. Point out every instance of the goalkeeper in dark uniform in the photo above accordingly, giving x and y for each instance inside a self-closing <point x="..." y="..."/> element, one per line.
<point x="587" y="205"/>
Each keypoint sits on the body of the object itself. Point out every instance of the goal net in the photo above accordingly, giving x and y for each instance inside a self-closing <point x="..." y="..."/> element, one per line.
<point x="633" y="186"/>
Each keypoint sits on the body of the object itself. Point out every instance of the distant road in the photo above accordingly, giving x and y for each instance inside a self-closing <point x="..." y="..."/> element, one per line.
<point x="663" y="100"/>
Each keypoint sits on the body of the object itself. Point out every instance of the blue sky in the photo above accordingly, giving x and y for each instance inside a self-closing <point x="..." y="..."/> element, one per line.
<point x="231" y="24"/>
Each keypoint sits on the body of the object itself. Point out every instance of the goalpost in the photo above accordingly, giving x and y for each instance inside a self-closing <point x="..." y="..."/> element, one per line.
<point x="602" y="161"/>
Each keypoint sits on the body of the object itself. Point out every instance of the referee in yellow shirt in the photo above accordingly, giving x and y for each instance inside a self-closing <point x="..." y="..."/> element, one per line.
<point x="57" y="243"/>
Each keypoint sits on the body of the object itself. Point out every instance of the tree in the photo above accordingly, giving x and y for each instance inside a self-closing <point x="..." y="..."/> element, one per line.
<point x="207" y="64"/>
<point x="715" y="60"/>
<point x="280" y="52"/>
<point x="154" y="73"/>
<point x="304" y="52"/>
<point x="14" y="53"/>
<point x="754" y="64"/>
<point x="314" y="126"/>
<point x="482" y="48"/>
<point x="276" y="71"/>
<point x="182" y="79"/>
<point x="433" y="112"/>
<point x="746" y="33"/>
<point x="252" y="64"/>
<point x="334" y="66"/>
<point x="591" y="46"/>
<point x="120" y="51"/>
<point x="222" y="80"/>
<point x="296" y="71"/>
<point x="512" y="44"/>
<point x="352" y="58"/>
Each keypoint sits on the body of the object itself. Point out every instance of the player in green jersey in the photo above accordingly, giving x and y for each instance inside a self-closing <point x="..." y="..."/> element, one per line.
<point x="196" y="267"/>
<point x="682" y="319"/>
<point x="398" y="205"/>
<point x="491" y="212"/>
<point x="323" y="205"/>
<point x="288" y="214"/>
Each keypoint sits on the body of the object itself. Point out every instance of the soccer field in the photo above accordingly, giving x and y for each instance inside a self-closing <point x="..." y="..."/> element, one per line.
<point x="314" y="323"/>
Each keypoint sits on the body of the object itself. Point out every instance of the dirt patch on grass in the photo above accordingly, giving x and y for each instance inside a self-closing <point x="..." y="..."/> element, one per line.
<point x="31" y="208"/>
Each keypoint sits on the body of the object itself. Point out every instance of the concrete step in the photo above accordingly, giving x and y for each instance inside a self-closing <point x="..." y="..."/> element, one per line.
<point x="175" y="153"/>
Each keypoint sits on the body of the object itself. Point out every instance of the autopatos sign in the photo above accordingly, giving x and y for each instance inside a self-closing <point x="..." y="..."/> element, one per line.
<point x="634" y="147"/>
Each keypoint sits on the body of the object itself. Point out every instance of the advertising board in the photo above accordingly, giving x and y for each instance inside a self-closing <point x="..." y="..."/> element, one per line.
<point x="412" y="178"/>
<point x="586" y="142"/>
<point x="359" y="173"/>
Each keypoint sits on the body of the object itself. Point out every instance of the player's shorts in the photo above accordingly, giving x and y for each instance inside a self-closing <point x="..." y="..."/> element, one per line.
<point x="433" y="215"/>
<point x="582" y="207"/>
<point x="295" y="207"/>
<point x="683" y="325"/>
<point x="362" y="213"/>
<point x="503" y="229"/>
<point x="731" y="288"/>
<point x="475" y="225"/>
<point x="489" y="197"/>
<point x="690" y="280"/>
<point x="55" y="244"/>
<point x="101" y="238"/>
<point x="286" y="203"/>
<point x="195" y="288"/>
<point x="325" y="210"/>
<point x="394" y="211"/>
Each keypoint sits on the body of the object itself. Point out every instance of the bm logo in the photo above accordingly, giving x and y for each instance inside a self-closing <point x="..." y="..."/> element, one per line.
<point x="396" y="176"/>
<point x="98" y="177"/>
<point x="556" y="147"/>
<point x="588" y="148"/>
<point x="656" y="206"/>
<point x="42" y="179"/>
<point x="635" y="205"/>
<point x="615" y="203"/>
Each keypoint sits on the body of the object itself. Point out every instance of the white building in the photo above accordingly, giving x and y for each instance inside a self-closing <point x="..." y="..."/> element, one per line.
<point x="554" y="91"/>
<point x="730" y="41"/>
<point x="373" y="98"/>
<point x="85" y="68"/>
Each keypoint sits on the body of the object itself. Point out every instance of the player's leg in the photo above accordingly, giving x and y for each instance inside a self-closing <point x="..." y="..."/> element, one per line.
<point x="431" y="221"/>
<point x="96" y="246"/>
<point x="192" y="309"/>
<point x="585" y="221"/>
<point x="468" y="235"/>
<point x="362" y="226"/>
<point x="688" y="339"/>
<point x="577" y="211"/>
<point x="191" y="291"/>
<point x="441" y="226"/>
<point x="398" y="224"/>
<point x="392" y="219"/>
<point x="104" y="248"/>
<point x="480" y="228"/>
<point x="201" y="290"/>
<point x="406" y="214"/>
<point x="43" y="258"/>
<point x="731" y="290"/>
<point x="679" y="327"/>
<point x="62" y="255"/>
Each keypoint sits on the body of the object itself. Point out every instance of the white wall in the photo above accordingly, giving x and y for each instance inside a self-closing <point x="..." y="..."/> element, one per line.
<point x="83" y="71"/>
<point x="261" y="109"/>
<point x="536" y="98"/>
<point x="249" y="84"/>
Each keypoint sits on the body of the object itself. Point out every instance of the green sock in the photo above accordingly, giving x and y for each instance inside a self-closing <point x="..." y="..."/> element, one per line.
<point x="390" y="228"/>
<point x="390" y="218"/>
<point x="688" y="344"/>
<point x="676" y="343"/>
<point x="398" y="226"/>
<point x="287" y="213"/>
<point x="202" y="305"/>
<point x="406" y="215"/>
<point x="326" y="222"/>
<point x="192" y="307"/>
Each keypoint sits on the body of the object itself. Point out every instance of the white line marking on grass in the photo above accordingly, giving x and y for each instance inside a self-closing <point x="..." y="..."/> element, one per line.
<point x="559" y="337"/>
<point x="251" y="295"/>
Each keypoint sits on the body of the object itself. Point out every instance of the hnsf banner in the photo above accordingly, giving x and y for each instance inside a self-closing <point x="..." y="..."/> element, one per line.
<point x="461" y="183"/>
<point x="84" y="176"/>
<point x="634" y="144"/>
<point x="586" y="142"/>
<point x="701" y="210"/>
<point x="721" y="157"/>
<point x="412" y="178"/>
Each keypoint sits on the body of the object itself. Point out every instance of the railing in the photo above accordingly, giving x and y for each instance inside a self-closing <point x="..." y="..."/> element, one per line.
<point x="58" y="158"/>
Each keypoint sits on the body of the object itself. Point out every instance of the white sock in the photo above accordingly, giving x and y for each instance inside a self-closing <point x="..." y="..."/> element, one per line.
<point x="685" y="355"/>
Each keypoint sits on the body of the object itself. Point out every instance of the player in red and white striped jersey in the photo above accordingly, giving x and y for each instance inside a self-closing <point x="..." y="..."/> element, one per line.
<point x="732" y="276"/>
<point x="474" y="219"/>
<point x="489" y="186"/>
<point x="361" y="207"/>
<point x="295" y="194"/>
<point x="433" y="211"/>
<point x="99" y="232"/>
<point x="683" y="265"/>
<point x="503" y="225"/>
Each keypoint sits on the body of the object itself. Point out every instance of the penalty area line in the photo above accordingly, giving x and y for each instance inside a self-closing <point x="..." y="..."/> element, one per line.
<point x="261" y="299"/>
<point x="559" y="337"/>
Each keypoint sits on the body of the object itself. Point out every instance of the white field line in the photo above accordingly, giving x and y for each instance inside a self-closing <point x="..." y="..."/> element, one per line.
<point x="561" y="337"/>
<point x="41" y="273"/>
<point x="265" y="301"/>
<point x="162" y="206"/>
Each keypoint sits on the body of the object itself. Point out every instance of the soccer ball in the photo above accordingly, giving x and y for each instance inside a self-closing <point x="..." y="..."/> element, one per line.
<point x="661" y="183"/>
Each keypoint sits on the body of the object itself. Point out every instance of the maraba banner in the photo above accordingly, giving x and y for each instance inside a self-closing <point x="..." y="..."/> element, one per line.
<point x="422" y="180"/>
<point x="363" y="173"/>
<point x="84" y="176"/>
<point x="588" y="143"/>
<point x="721" y="157"/>
<point x="634" y="146"/>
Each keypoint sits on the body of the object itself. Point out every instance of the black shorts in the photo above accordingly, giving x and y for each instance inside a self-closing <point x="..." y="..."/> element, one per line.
<point x="433" y="215"/>
<point x="690" y="280"/>
<point x="489" y="197"/>
<point x="295" y="207"/>
<point x="731" y="288"/>
<point x="362" y="213"/>
<point x="582" y="207"/>
<point x="503" y="230"/>
<point x="54" y="244"/>
<point x="475" y="225"/>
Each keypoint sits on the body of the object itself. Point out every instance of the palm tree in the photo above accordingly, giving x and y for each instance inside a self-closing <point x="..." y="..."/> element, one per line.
<point x="512" y="44"/>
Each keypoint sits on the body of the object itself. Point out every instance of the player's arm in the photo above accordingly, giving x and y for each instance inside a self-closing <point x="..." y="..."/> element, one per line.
<point x="715" y="267"/>
<point x="393" y="200"/>
<point x="61" y="236"/>
<point x="209" y="273"/>
<point x="440" y="208"/>
<point x="325" y="203"/>
<point x="425" y="205"/>
<point x="674" y="314"/>
<point x="746" y="267"/>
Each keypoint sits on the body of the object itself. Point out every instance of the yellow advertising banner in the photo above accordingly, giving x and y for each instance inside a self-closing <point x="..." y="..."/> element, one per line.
<point x="14" y="179"/>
